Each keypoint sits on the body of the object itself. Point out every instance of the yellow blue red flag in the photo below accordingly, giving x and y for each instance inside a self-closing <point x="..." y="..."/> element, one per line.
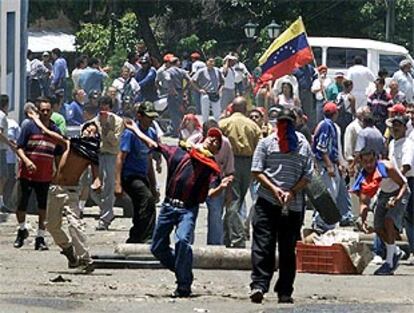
<point x="289" y="51"/>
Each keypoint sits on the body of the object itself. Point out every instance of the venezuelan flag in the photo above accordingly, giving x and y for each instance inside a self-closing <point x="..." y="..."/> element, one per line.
<point x="289" y="51"/>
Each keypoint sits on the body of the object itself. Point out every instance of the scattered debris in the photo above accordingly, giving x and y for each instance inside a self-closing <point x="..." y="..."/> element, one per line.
<point x="198" y="310"/>
<point x="60" y="279"/>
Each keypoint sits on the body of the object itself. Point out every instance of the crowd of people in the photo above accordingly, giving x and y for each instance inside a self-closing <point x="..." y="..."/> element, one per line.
<point x="235" y="134"/>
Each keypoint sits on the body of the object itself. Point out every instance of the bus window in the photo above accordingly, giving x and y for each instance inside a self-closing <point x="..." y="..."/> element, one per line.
<point x="317" y="53"/>
<point x="390" y="62"/>
<point x="344" y="57"/>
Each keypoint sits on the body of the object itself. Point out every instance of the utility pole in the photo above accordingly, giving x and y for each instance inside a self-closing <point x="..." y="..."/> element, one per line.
<point x="412" y="27"/>
<point x="390" y="20"/>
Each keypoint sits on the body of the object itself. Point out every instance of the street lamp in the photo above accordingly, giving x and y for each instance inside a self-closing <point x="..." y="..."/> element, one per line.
<point x="273" y="30"/>
<point x="250" y="29"/>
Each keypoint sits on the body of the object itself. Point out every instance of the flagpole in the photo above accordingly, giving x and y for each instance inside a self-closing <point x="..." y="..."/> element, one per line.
<point x="314" y="61"/>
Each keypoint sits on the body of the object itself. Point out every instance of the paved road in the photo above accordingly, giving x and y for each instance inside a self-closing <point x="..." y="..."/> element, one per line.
<point x="25" y="284"/>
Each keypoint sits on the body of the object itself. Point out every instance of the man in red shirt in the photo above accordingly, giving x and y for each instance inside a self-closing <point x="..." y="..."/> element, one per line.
<point x="36" y="151"/>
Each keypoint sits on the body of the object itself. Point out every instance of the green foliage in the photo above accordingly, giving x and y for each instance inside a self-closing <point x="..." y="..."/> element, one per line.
<point x="95" y="40"/>
<point x="209" y="47"/>
<point x="190" y="43"/>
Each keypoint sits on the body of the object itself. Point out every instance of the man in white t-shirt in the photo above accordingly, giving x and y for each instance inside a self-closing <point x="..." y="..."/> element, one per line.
<point x="229" y="88"/>
<point x="241" y="73"/>
<point x="4" y="106"/>
<point x="196" y="65"/>
<point x="361" y="77"/>
<point x="401" y="154"/>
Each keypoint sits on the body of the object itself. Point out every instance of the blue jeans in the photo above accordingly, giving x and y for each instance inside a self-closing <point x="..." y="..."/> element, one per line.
<point x="106" y="198"/>
<point x="174" y="104"/>
<point x="195" y="95"/>
<point x="215" y="219"/>
<point x="180" y="260"/>
<point x="409" y="216"/>
<point x="319" y="111"/>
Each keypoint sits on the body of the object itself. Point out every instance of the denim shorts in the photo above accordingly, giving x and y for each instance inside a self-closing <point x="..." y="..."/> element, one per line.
<point x="396" y="213"/>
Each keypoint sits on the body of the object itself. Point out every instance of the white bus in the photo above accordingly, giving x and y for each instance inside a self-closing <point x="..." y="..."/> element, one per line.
<point x="338" y="53"/>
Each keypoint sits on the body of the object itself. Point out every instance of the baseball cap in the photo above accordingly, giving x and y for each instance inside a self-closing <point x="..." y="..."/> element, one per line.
<point x="330" y="107"/>
<point x="322" y="68"/>
<point x="286" y="114"/>
<point x="398" y="108"/>
<point x="399" y="118"/>
<point x="168" y="57"/>
<point x="94" y="94"/>
<point x="273" y="113"/>
<point x="339" y="74"/>
<point x="215" y="132"/>
<point x="45" y="54"/>
<point x="144" y="60"/>
<point x="261" y="110"/>
<point x="147" y="108"/>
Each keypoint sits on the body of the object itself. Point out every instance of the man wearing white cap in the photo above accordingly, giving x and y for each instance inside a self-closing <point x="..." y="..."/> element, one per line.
<point x="361" y="77"/>
<point x="405" y="79"/>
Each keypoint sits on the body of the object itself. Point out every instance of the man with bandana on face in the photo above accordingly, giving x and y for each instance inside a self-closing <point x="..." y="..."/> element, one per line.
<point x="282" y="163"/>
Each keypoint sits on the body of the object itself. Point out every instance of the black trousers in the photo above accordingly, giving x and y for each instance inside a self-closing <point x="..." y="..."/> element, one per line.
<point x="270" y="227"/>
<point x="143" y="220"/>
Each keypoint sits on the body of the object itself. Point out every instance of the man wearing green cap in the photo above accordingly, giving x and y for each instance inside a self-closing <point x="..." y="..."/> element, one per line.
<point x="134" y="174"/>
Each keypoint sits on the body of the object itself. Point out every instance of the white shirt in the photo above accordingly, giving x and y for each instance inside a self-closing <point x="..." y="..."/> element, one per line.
<point x="241" y="72"/>
<point x="316" y="85"/>
<point x="361" y="76"/>
<point x="401" y="152"/>
<point x="13" y="133"/>
<point x="3" y="128"/>
<point x="119" y="84"/>
<point x="229" y="79"/>
<point x="197" y="65"/>
<point x="76" y="73"/>
<point x="350" y="138"/>
<point x="405" y="84"/>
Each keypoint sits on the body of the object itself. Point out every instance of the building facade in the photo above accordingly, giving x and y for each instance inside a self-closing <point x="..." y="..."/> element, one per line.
<point x="13" y="49"/>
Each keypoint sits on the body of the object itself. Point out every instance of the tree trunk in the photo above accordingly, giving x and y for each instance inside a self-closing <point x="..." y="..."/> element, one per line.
<point x="148" y="36"/>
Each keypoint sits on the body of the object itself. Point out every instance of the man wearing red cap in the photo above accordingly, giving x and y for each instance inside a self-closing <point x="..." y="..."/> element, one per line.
<point x="326" y="147"/>
<point x="318" y="89"/>
<point x="193" y="175"/>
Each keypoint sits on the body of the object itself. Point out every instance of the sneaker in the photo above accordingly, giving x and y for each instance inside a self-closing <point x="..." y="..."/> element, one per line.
<point x="396" y="260"/>
<point x="285" y="299"/>
<point x="410" y="260"/>
<point x="40" y="244"/>
<point x="384" y="269"/>
<point x="256" y="296"/>
<point x="346" y="223"/>
<point x="22" y="234"/>
<point x="377" y="260"/>
<point x="73" y="259"/>
<point x="86" y="266"/>
<point x="102" y="226"/>
<point x="181" y="293"/>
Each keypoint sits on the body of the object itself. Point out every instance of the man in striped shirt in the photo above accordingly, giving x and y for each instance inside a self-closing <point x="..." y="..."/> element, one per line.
<point x="36" y="151"/>
<point x="283" y="164"/>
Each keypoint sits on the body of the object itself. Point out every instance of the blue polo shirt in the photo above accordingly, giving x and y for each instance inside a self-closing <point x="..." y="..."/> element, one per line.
<point x="74" y="114"/>
<point x="136" y="161"/>
<point x="325" y="140"/>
